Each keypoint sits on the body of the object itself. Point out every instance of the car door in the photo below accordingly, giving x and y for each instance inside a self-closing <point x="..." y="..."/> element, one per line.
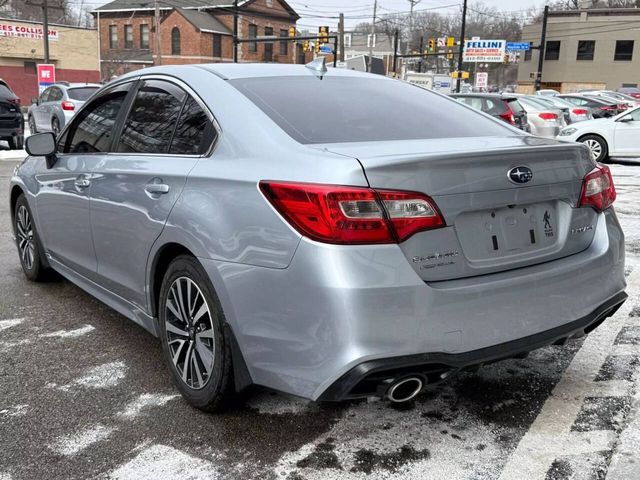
<point x="63" y="201"/>
<point x="627" y="134"/>
<point x="135" y="189"/>
<point x="48" y="107"/>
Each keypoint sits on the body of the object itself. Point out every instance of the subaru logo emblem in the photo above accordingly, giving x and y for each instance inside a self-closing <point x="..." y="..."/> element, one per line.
<point x="520" y="175"/>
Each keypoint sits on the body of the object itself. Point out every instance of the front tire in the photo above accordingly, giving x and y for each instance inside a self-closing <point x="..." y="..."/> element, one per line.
<point x="55" y="127"/>
<point x="192" y="333"/>
<point x="32" y="125"/>
<point x="28" y="242"/>
<point x="597" y="146"/>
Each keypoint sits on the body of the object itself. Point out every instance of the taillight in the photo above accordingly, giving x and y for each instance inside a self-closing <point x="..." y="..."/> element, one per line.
<point x="598" y="190"/>
<point x="548" y="116"/>
<point x="66" y="105"/>
<point x="623" y="106"/>
<point x="508" y="116"/>
<point x="580" y="111"/>
<point x="15" y="101"/>
<point x="352" y="215"/>
<point x="608" y="107"/>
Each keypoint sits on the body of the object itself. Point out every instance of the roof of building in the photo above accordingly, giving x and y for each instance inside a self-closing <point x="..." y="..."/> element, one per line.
<point x="205" y="22"/>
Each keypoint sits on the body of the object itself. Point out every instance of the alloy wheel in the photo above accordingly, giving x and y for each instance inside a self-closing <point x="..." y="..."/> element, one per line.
<point x="189" y="331"/>
<point x="595" y="147"/>
<point x="24" y="231"/>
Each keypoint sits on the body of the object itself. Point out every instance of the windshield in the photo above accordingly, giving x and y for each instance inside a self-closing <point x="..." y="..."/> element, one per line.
<point x="81" y="93"/>
<point x="356" y="109"/>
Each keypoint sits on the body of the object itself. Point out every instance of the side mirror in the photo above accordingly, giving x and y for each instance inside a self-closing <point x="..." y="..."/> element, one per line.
<point x="34" y="101"/>
<point x="42" y="145"/>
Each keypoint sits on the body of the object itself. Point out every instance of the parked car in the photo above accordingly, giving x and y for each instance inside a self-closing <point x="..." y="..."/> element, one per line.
<point x="615" y="96"/>
<point x="505" y="107"/>
<point x="633" y="91"/>
<point x="548" y="92"/>
<point x="576" y="114"/>
<point x="600" y="108"/>
<point x="11" y="119"/>
<point x="617" y="136"/>
<point x="53" y="109"/>
<point x="621" y="105"/>
<point x="407" y="238"/>
<point x="544" y="121"/>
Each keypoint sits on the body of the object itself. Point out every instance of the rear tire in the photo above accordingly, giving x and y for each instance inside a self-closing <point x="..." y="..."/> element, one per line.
<point x="28" y="242"/>
<point x="597" y="146"/>
<point x="195" y="348"/>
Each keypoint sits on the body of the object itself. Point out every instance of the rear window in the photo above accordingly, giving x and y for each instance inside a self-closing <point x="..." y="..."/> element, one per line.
<point x="515" y="106"/>
<point x="354" y="109"/>
<point x="6" y="92"/>
<point x="81" y="93"/>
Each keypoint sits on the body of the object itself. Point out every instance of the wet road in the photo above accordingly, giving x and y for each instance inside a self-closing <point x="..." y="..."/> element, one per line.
<point x="84" y="394"/>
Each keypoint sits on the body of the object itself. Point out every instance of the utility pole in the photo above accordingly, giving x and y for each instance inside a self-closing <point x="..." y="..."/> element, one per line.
<point x="341" y="35"/>
<point x="460" y="53"/>
<point x="45" y="24"/>
<point x="413" y="4"/>
<point x="543" y="40"/>
<point x="158" y="39"/>
<point x="421" y="51"/>
<point x="371" y="40"/>
<point x="395" y="52"/>
<point x="235" y="31"/>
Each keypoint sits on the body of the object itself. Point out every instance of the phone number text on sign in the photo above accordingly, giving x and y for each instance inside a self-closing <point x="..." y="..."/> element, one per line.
<point x="21" y="31"/>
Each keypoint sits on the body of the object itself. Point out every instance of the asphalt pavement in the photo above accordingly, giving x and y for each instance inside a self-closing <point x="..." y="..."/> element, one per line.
<point x="84" y="394"/>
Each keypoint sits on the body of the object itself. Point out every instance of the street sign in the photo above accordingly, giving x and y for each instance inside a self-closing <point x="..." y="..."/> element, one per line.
<point x="326" y="49"/>
<point x="518" y="46"/>
<point x="482" y="80"/>
<point x="442" y="41"/>
<point x="46" y="76"/>
<point x="490" y="51"/>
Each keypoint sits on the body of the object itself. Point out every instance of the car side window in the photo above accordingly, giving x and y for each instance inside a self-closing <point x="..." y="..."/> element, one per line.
<point x="195" y="132"/>
<point x="45" y="95"/>
<point x="92" y="129"/>
<point x="152" y="119"/>
<point x="635" y="115"/>
<point x="493" y="108"/>
<point x="55" y="95"/>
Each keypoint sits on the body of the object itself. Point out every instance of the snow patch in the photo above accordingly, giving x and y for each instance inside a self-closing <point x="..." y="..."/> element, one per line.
<point x="14" y="411"/>
<point x="165" y="463"/>
<point x="134" y="408"/>
<point x="103" y="376"/>
<point x="12" y="322"/>
<point x="72" y="444"/>
<point x="78" y="332"/>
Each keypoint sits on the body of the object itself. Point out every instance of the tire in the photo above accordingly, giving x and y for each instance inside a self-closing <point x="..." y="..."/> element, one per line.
<point x="597" y="146"/>
<point x="16" y="142"/>
<point x="55" y="127"/>
<point x="28" y="242"/>
<point x="197" y="342"/>
<point x="32" y="125"/>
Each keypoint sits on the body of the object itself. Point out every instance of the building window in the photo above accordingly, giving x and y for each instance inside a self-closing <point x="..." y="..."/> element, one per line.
<point x="253" y="33"/>
<point x="552" y="52"/>
<point x="624" y="51"/>
<point x="586" y="48"/>
<point x="128" y="36"/>
<point x="144" y="36"/>
<point x="30" y="68"/>
<point x="175" y="41"/>
<point x="113" y="36"/>
<point x="527" y="55"/>
<point x="268" y="47"/>
<point x="217" y="45"/>
<point x="284" y="45"/>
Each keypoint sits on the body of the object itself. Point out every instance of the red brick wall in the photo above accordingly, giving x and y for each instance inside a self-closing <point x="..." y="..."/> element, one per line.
<point x="26" y="86"/>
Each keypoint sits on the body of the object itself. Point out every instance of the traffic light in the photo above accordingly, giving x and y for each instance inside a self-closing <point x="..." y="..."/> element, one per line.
<point x="292" y="32"/>
<point x="317" y="47"/>
<point x="305" y="46"/>
<point x="323" y="34"/>
<point x="450" y="54"/>
<point x="432" y="45"/>
<point x="505" y="59"/>
<point x="451" y="41"/>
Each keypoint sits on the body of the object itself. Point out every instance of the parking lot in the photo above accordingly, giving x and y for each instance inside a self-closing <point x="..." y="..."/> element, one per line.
<point x="86" y="395"/>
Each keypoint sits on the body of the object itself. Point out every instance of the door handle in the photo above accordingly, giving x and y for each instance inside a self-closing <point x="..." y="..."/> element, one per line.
<point x="157" y="188"/>
<point x="82" y="182"/>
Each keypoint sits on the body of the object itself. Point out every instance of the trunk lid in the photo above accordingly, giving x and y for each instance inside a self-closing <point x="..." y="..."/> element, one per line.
<point x="493" y="224"/>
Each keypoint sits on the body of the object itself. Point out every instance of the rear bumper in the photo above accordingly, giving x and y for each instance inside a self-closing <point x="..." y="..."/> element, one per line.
<point x="364" y="379"/>
<point x="304" y="328"/>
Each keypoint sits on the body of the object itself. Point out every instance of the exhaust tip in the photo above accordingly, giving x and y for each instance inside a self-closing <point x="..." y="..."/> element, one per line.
<point x="405" y="389"/>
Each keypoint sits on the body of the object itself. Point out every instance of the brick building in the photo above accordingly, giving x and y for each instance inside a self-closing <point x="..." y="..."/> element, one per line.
<point x="73" y="51"/>
<point x="191" y="31"/>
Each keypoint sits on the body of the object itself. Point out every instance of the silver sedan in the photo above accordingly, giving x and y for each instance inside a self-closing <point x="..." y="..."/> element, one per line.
<point x="329" y="234"/>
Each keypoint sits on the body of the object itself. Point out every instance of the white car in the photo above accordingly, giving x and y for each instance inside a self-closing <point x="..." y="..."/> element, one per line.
<point x="617" y="136"/>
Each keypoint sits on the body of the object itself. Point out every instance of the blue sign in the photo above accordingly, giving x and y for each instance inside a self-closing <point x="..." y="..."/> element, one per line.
<point x="518" y="46"/>
<point x="326" y="49"/>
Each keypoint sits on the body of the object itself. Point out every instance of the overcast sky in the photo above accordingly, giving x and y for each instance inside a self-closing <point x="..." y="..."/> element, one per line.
<point x="357" y="11"/>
